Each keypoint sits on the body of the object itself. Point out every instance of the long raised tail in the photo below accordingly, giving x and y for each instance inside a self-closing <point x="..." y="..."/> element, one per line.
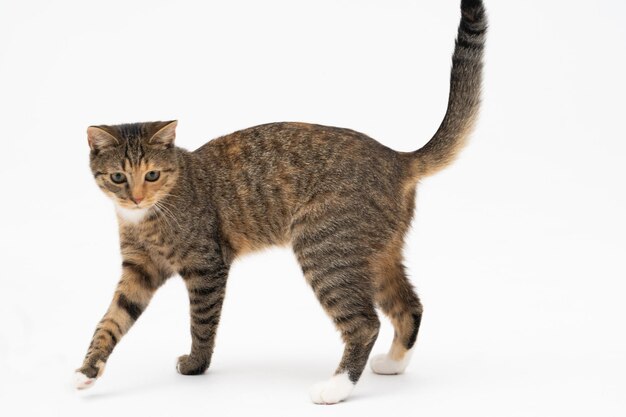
<point x="465" y="89"/>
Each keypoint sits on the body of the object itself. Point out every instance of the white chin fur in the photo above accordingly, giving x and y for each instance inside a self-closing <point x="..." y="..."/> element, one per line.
<point x="384" y="365"/>
<point x="332" y="391"/>
<point x="131" y="215"/>
<point x="82" y="381"/>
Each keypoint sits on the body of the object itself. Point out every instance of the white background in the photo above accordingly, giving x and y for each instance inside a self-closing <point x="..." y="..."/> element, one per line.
<point x="517" y="250"/>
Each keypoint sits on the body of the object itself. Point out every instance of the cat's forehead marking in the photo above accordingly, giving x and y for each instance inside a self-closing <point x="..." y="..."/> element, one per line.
<point x="134" y="152"/>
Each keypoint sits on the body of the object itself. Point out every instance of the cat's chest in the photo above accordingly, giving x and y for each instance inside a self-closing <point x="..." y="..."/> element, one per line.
<point x="173" y="243"/>
<point x="161" y="241"/>
<point x="154" y="237"/>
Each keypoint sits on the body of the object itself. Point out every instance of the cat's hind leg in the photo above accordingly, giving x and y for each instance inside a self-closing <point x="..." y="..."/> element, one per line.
<point x="358" y="323"/>
<point x="397" y="299"/>
<point x="335" y="264"/>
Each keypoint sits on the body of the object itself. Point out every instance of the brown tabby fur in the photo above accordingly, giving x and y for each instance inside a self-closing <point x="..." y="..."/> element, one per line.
<point x="342" y="200"/>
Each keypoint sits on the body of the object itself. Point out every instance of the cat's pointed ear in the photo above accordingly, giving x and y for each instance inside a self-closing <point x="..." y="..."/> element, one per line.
<point x="99" y="139"/>
<point x="164" y="137"/>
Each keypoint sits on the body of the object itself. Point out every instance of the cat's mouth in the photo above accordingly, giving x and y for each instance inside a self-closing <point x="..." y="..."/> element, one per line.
<point x="128" y="205"/>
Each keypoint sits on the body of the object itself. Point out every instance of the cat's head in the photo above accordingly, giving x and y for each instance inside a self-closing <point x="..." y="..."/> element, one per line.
<point x="134" y="164"/>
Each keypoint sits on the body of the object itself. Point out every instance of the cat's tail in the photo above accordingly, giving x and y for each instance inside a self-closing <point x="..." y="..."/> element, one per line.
<point x="465" y="89"/>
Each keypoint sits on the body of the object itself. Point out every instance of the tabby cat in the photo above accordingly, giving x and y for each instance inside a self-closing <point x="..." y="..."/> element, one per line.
<point x="342" y="201"/>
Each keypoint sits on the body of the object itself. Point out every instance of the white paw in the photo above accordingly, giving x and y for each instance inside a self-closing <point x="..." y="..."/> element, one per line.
<point x="333" y="390"/>
<point x="82" y="381"/>
<point x="384" y="365"/>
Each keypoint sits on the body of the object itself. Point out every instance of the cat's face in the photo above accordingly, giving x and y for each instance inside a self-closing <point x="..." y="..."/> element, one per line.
<point x="134" y="164"/>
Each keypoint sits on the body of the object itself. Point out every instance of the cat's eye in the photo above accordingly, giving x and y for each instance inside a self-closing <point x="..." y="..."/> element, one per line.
<point x="152" y="175"/>
<point x="118" y="177"/>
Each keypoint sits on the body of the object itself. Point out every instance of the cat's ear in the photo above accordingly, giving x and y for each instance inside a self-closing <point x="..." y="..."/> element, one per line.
<point x="99" y="139"/>
<point x="164" y="137"/>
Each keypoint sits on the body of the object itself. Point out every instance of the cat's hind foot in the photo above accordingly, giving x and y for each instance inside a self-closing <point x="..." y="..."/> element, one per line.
<point x="384" y="365"/>
<point x="333" y="390"/>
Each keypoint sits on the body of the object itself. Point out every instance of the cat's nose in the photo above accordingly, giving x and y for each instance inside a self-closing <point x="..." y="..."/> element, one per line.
<point x="137" y="200"/>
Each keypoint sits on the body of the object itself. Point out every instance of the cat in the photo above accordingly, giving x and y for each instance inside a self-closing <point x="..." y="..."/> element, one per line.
<point x="342" y="200"/>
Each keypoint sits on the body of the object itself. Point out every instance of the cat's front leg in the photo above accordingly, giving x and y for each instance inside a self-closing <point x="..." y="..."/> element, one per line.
<point x="140" y="279"/>
<point x="206" y="286"/>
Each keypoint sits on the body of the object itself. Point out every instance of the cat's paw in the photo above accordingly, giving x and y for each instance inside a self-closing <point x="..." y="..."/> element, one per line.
<point x="384" y="365"/>
<point x="191" y="365"/>
<point x="82" y="381"/>
<point x="333" y="390"/>
<point x="86" y="376"/>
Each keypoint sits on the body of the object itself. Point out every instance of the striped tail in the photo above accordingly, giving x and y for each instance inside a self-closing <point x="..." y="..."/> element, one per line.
<point x="465" y="88"/>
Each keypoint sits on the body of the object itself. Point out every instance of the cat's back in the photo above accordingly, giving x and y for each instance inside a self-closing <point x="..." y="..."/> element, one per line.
<point x="301" y="146"/>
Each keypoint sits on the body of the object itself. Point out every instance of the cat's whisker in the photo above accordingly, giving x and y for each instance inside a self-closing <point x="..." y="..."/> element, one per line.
<point x="168" y="204"/>
<point x="169" y="213"/>
<point x="159" y="217"/>
<point x="164" y="217"/>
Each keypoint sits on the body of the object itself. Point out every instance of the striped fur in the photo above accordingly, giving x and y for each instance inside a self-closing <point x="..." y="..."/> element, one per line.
<point x="465" y="87"/>
<point x="343" y="201"/>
